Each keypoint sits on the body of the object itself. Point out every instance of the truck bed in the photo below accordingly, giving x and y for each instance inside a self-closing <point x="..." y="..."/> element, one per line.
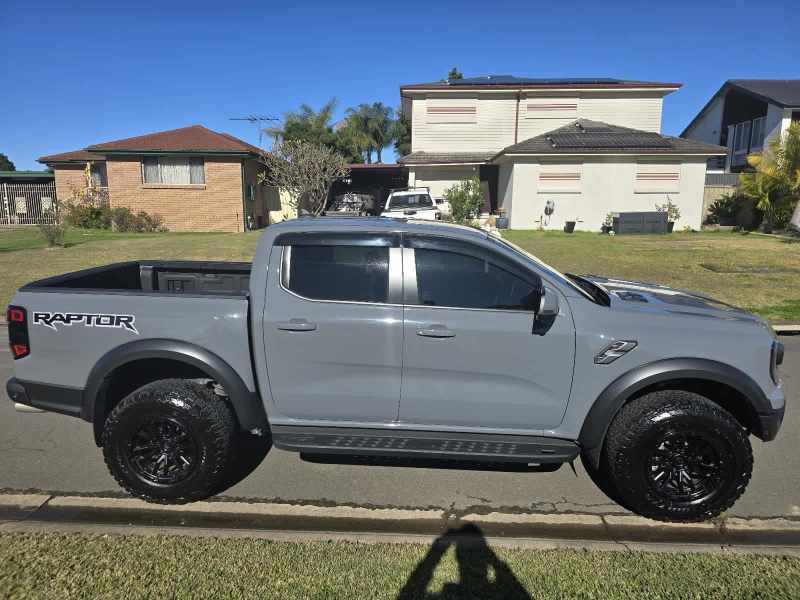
<point x="163" y="277"/>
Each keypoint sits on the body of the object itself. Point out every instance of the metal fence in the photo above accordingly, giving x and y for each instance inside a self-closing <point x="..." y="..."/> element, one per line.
<point x="27" y="203"/>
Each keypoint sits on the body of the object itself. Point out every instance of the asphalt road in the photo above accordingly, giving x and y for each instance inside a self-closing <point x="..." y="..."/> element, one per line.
<point x="56" y="453"/>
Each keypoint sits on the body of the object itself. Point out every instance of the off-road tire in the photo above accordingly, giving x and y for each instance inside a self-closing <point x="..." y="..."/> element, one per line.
<point x="646" y="428"/>
<point x="601" y="478"/>
<point x="206" y="421"/>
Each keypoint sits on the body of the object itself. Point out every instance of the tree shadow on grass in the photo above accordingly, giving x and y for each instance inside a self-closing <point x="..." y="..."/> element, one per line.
<point x="481" y="573"/>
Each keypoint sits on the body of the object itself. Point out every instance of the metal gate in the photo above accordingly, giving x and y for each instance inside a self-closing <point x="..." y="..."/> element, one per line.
<point x="27" y="203"/>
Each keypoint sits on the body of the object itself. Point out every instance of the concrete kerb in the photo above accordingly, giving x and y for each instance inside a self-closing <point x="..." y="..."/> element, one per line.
<point x="292" y="522"/>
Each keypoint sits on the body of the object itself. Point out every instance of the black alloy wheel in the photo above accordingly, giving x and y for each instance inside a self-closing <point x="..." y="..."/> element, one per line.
<point x="673" y="455"/>
<point x="171" y="441"/>
<point x="687" y="468"/>
<point x="162" y="451"/>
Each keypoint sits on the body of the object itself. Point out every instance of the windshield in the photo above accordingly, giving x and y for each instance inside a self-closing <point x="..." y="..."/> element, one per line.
<point x="555" y="273"/>
<point x="412" y="201"/>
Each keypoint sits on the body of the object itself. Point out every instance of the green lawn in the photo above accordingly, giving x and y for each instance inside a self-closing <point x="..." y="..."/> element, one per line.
<point x="64" y="566"/>
<point x="758" y="272"/>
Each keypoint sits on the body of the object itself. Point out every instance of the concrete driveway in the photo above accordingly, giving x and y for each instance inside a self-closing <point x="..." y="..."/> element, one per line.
<point x="57" y="454"/>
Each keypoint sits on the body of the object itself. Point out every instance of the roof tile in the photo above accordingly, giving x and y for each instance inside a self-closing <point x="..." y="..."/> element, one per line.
<point x="584" y="136"/>
<point x="186" y="139"/>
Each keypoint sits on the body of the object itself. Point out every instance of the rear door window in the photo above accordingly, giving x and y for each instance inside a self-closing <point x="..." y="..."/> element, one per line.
<point x="339" y="272"/>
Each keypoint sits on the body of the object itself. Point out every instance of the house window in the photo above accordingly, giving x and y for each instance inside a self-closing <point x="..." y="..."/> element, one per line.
<point x="757" y="133"/>
<point x="551" y="108"/>
<point x="560" y="178"/>
<point x="438" y="110"/>
<point x="99" y="176"/>
<point x="741" y="137"/>
<point x="173" y="170"/>
<point x="660" y="178"/>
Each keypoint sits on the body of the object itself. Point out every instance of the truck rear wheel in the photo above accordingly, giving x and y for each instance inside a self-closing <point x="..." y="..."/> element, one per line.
<point x="676" y="456"/>
<point x="169" y="441"/>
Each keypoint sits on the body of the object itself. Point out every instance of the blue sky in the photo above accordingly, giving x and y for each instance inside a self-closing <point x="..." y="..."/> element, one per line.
<point x="77" y="73"/>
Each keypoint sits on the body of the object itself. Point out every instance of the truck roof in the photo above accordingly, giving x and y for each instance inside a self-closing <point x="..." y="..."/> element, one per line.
<point x="375" y="224"/>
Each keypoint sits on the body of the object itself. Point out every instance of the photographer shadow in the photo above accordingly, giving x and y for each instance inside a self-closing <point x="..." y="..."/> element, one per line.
<point x="476" y="562"/>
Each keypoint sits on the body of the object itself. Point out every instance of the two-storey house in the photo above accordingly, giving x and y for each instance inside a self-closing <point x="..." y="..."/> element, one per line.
<point x="743" y="115"/>
<point x="580" y="148"/>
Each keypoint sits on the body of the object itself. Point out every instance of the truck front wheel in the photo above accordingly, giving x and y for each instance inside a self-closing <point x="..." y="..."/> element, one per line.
<point x="169" y="441"/>
<point x="674" y="455"/>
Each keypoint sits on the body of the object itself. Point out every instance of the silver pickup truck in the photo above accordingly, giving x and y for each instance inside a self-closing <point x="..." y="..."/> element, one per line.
<point x="406" y="341"/>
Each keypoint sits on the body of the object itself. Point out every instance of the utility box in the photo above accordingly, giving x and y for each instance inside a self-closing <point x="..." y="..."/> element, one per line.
<point x="640" y="222"/>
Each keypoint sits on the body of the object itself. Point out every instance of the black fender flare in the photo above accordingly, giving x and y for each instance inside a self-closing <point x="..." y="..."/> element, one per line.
<point x="617" y="393"/>
<point x="247" y="404"/>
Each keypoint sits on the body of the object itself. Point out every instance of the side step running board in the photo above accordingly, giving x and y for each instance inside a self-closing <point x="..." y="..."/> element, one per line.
<point x="424" y="444"/>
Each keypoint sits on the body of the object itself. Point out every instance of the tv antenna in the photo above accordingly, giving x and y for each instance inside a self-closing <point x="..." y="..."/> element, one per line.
<point x="256" y="120"/>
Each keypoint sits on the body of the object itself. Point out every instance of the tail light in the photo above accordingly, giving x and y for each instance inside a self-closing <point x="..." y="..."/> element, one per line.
<point x="17" y="318"/>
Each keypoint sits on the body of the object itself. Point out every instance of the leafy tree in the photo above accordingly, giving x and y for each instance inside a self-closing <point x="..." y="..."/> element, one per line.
<point x="6" y="164"/>
<point x="775" y="181"/>
<point x="304" y="169"/>
<point x="465" y="199"/>
<point x="402" y="134"/>
<point x="454" y="73"/>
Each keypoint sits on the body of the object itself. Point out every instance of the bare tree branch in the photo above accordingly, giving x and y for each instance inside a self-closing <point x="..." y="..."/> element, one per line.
<point x="305" y="170"/>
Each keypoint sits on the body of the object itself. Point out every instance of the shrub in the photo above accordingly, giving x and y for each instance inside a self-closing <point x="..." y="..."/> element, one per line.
<point x="672" y="210"/>
<point x="54" y="232"/>
<point x="466" y="199"/>
<point x="784" y="209"/>
<point x="89" y="217"/>
<point x="734" y="209"/>
<point x="722" y="211"/>
<point x="120" y="219"/>
<point x="123" y="220"/>
<point x="748" y="217"/>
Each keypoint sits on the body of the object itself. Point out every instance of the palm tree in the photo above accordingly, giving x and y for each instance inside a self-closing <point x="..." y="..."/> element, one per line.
<point x="359" y="129"/>
<point x="373" y="126"/>
<point x="381" y="127"/>
<point x="775" y="182"/>
<point x="307" y="124"/>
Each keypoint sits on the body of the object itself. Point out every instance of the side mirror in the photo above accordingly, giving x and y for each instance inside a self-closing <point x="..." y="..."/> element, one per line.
<point x="545" y="317"/>
<point x="548" y="305"/>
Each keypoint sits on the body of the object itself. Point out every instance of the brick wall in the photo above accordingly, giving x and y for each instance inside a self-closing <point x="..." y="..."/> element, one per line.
<point x="67" y="177"/>
<point x="214" y="206"/>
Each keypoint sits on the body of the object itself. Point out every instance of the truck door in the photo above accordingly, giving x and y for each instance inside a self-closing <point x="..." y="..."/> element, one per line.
<point x="333" y="327"/>
<point x="471" y="357"/>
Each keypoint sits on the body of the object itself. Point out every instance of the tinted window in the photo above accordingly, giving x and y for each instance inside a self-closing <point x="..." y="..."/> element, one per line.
<point x="355" y="273"/>
<point x="450" y="279"/>
<point x="410" y="201"/>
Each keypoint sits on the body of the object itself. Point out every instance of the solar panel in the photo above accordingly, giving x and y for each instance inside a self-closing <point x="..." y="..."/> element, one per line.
<point x="512" y="80"/>
<point x="607" y="140"/>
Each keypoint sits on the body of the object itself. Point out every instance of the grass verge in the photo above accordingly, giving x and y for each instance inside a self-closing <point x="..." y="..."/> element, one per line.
<point x="51" y="565"/>
<point x="755" y="271"/>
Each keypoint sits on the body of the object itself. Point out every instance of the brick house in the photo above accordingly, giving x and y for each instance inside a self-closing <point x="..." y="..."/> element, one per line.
<point x="195" y="178"/>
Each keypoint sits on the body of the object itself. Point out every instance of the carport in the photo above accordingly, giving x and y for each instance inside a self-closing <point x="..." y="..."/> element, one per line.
<point x="367" y="184"/>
